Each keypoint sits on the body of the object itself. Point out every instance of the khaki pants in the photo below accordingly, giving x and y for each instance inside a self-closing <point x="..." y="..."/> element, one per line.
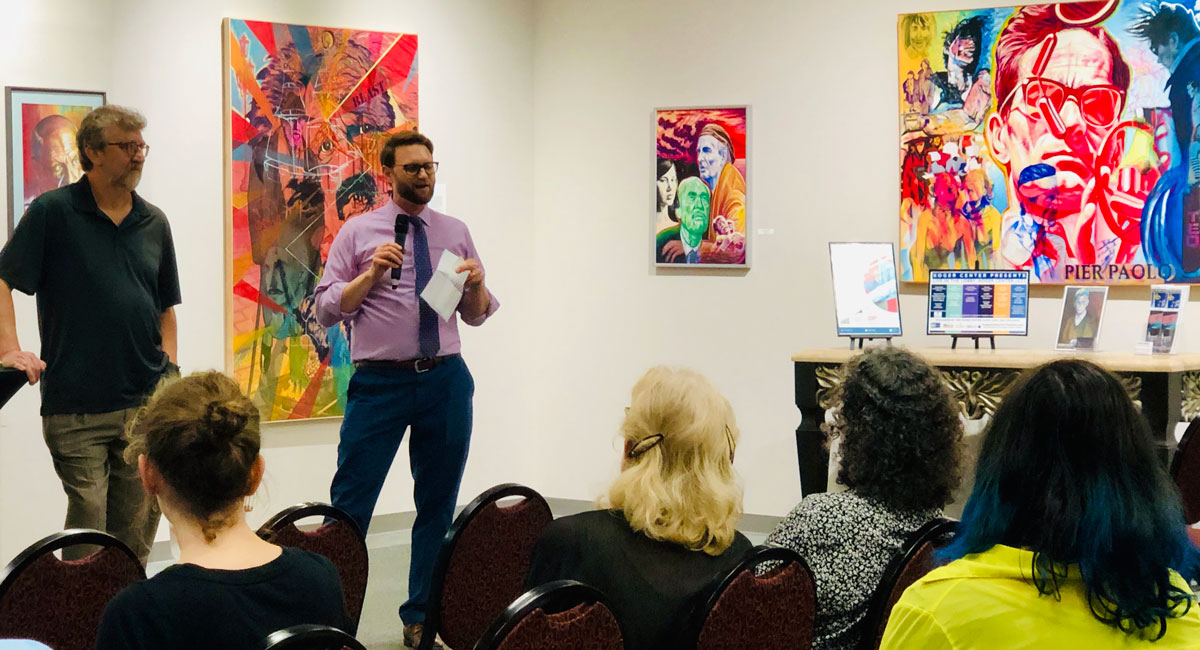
<point x="103" y="491"/>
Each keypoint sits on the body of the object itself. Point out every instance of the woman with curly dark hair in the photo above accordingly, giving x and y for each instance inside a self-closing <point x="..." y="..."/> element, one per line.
<point x="901" y="441"/>
<point x="1073" y="536"/>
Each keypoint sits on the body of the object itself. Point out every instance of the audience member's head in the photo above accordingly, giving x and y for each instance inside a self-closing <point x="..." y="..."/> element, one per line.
<point x="196" y="443"/>
<point x="901" y="436"/>
<point x="677" y="482"/>
<point x="1068" y="471"/>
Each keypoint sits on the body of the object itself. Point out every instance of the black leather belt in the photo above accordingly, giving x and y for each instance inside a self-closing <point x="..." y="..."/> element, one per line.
<point x="412" y="365"/>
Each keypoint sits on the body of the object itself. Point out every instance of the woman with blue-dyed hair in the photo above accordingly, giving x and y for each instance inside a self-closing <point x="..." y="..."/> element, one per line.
<point x="1073" y="536"/>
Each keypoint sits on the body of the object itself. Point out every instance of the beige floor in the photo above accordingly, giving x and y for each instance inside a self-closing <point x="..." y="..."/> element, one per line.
<point x="387" y="587"/>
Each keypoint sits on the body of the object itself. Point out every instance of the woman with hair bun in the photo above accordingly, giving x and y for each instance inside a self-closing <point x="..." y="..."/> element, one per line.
<point x="196" y="444"/>
<point x="670" y="524"/>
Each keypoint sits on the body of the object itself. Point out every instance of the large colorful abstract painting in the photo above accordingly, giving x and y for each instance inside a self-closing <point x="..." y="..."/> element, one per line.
<point x="700" y="187"/>
<point x="1057" y="138"/>
<point x="308" y="111"/>
<point x="42" y="154"/>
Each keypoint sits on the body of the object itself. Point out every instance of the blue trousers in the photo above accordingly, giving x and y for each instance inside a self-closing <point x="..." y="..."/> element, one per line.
<point x="381" y="404"/>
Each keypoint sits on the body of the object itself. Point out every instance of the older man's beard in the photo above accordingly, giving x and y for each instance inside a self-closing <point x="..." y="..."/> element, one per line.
<point x="129" y="180"/>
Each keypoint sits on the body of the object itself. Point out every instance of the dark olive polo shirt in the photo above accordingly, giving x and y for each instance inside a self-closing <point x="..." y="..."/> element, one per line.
<point x="101" y="291"/>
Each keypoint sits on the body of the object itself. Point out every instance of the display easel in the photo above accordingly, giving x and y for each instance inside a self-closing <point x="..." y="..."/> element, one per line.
<point x="860" y="340"/>
<point x="955" y="337"/>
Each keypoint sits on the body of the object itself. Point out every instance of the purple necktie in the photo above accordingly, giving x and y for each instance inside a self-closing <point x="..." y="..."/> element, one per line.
<point x="427" y="331"/>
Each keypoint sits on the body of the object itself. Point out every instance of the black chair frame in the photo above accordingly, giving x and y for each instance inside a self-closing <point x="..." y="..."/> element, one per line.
<point x="308" y="509"/>
<point x="1188" y="439"/>
<point x="304" y="510"/>
<point x="552" y="598"/>
<point x="433" y="617"/>
<point x="750" y="561"/>
<point x="58" y="541"/>
<point x="311" y="637"/>
<point x="940" y="528"/>
<point x="1189" y="435"/>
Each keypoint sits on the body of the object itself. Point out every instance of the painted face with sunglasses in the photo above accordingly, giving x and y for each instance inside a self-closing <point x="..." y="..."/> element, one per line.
<point x="1053" y="124"/>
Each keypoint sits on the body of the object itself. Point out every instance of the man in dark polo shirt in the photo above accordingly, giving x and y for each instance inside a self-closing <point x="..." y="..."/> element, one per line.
<point x="102" y="264"/>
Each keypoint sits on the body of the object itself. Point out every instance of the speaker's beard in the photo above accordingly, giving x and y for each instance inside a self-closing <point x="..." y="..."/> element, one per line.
<point x="130" y="179"/>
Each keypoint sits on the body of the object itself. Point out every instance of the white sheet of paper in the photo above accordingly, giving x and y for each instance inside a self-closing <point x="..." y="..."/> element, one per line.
<point x="445" y="288"/>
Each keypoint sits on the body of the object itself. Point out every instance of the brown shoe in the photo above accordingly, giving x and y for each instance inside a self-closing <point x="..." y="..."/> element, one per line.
<point x="412" y="636"/>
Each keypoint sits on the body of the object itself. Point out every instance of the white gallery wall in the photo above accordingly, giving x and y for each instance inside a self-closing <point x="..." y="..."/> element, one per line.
<point x="31" y="500"/>
<point x="542" y="115"/>
<point x="821" y="81"/>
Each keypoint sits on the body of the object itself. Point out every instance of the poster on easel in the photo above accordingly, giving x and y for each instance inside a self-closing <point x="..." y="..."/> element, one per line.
<point x="865" y="292"/>
<point x="1166" y="310"/>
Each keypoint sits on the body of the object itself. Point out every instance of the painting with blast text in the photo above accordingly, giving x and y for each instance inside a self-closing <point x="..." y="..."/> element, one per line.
<point x="1057" y="138"/>
<point x="308" y="110"/>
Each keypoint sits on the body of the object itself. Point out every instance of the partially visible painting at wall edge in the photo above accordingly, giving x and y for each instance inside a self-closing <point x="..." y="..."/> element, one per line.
<point x="45" y="155"/>
<point x="1080" y="179"/>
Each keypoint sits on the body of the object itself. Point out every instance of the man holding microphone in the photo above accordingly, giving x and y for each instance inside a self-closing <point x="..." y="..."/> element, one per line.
<point x="408" y="370"/>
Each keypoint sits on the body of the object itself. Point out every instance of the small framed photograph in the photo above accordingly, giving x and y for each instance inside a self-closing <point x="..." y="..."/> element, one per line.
<point x="42" y="153"/>
<point x="701" y="173"/>
<point x="1082" y="314"/>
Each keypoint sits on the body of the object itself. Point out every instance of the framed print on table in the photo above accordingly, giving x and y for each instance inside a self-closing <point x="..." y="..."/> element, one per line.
<point x="1082" y="314"/>
<point x="42" y="155"/>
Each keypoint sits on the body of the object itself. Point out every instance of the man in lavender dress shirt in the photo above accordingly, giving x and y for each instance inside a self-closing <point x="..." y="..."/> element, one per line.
<point x="408" y="371"/>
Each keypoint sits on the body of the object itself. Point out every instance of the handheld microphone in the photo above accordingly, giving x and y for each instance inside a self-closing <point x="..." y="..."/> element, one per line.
<point x="401" y="235"/>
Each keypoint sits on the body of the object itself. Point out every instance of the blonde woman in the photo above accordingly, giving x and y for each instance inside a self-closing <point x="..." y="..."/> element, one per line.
<point x="668" y="529"/>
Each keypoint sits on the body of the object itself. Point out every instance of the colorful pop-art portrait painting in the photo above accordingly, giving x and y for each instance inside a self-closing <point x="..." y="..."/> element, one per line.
<point x="1057" y="138"/>
<point x="308" y="110"/>
<point x="42" y="153"/>
<point x="700" y="187"/>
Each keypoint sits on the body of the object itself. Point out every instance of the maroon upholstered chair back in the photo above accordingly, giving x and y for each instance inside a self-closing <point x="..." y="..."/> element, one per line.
<point x="564" y="615"/>
<point x="482" y="564"/>
<point x="910" y="564"/>
<point x="1185" y="469"/>
<point x="768" y="611"/>
<point x="312" y="637"/>
<point x="339" y="539"/>
<point x="60" y="603"/>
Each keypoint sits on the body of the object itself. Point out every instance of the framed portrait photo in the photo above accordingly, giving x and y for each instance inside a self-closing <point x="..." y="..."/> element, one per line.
<point x="42" y="155"/>
<point x="1082" y="313"/>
